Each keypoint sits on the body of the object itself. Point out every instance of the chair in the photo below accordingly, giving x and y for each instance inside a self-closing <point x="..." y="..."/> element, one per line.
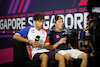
<point x="74" y="39"/>
<point x="21" y="57"/>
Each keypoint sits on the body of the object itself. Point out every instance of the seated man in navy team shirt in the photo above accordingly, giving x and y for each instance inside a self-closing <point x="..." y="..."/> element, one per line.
<point x="39" y="45"/>
<point x="86" y="39"/>
<point x="56" y="38"/>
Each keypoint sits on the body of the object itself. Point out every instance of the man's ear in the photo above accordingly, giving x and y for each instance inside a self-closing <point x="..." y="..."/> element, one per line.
<point x="35" y="21"/>
<point x="54" y="23"/>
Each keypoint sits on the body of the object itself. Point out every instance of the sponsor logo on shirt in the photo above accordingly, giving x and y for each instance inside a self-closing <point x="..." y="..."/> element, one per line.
<point x="57" y="36"/>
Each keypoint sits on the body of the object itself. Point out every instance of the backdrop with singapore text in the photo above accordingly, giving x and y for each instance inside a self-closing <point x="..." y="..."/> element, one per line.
<point x="17" y="14"/>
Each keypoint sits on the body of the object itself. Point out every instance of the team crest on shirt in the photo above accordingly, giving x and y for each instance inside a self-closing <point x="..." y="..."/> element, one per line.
<point x="57" y="36"/>
<point x="33" y="31"/>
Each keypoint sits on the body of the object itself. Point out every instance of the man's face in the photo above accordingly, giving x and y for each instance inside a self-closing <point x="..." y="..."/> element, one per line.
<point x="39" y="23"/>
<point x="59" y="24"/>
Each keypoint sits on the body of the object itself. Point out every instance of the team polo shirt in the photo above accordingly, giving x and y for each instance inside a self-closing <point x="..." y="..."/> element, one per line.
<point x="55" y="37"/>
<point x="85" y="34"/>
<point x="30" y="33"/>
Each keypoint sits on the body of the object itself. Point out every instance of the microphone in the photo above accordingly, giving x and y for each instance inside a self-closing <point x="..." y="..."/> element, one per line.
<point x="64" y="34"/>
<point x="37" y="38"/>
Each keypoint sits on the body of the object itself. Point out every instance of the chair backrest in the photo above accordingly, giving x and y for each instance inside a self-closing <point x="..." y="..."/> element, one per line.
<point x="74" y="40"/>
<point x="20" y="53"/>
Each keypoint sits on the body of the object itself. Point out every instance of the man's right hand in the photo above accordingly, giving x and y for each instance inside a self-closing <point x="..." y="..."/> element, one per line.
<point x="34" y="43"/>
<point x="62" y="40"/>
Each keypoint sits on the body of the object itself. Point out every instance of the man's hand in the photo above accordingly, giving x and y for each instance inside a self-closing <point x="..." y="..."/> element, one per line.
<point x="34" y="43"/>
<point x="62" y="40"/>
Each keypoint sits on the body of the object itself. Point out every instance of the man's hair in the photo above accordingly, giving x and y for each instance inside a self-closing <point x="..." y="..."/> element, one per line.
<point x="38" y="16"/>
<point x="57" y="18"/>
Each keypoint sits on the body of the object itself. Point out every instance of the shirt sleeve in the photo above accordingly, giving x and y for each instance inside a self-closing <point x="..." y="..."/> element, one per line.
<point x="24" y="32"/>
<point x="47" y="39"/>
<point x="50" y="38"/>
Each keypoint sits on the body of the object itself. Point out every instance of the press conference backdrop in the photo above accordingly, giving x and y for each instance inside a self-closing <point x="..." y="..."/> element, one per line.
<point x="17" y="14"/>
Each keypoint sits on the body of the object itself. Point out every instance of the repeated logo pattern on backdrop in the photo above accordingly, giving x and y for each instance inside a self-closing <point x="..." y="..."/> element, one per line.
<point x="17" y="14"/>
